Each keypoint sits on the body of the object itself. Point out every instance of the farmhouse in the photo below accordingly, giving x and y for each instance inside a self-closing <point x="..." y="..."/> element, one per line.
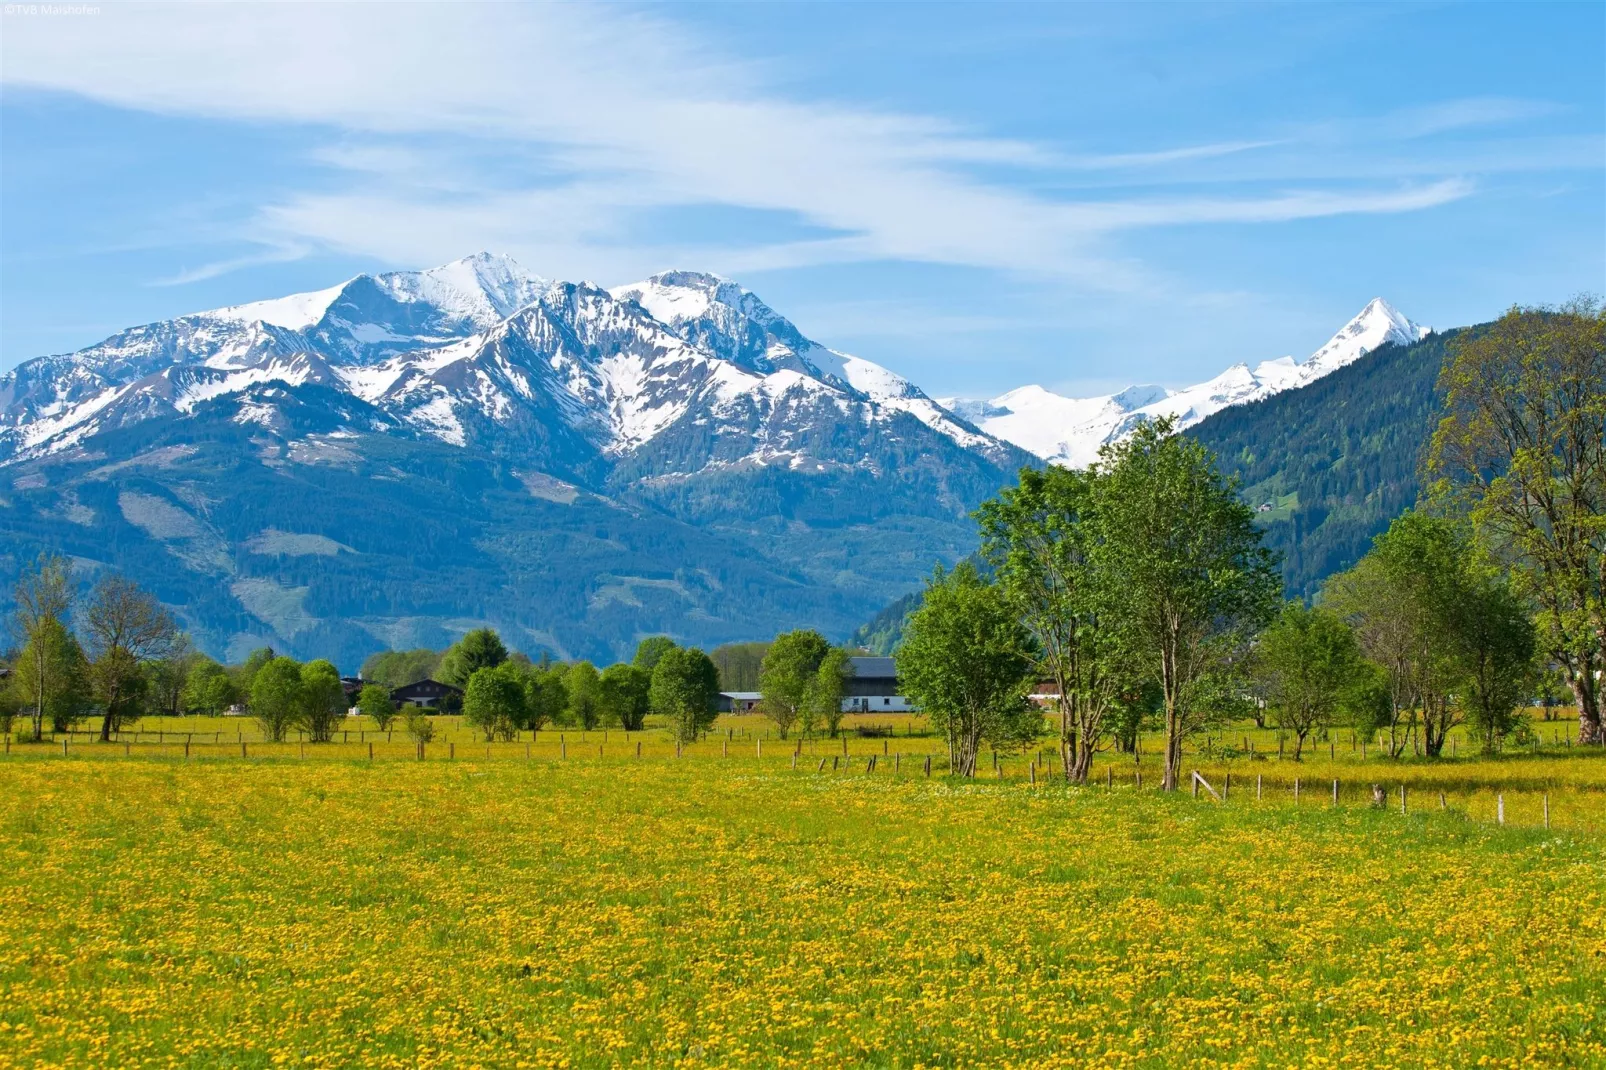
<point x="874" y="688"/>
<point x="738" y="701"/>
<point x="430" y="694"/>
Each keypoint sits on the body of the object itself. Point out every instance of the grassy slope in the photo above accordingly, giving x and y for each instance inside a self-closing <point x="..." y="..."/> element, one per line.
<point x="592" y="912"/>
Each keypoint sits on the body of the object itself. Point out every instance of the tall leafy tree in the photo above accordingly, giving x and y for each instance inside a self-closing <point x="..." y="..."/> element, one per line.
<point x="494" y="701"/>
<point x="170" y="673"/>
<point x="965" y="659"/>
<point x="128" y="632"/>
<point x="322" y="701"/>
<point x="584" y="685"/>
<point x="52" y="679"/>
<point x="546" y="697"/>
<point x="1497" y="645"/>
<point x="209" y="688"/>
<point x="481" y="648"/>
<point x="1414" y="600"/>
<point x="650" y="650"/>
<point x="374" y="702"/>
<point x="1187" y="581"/>
<point x="786" y="679"/>
<point x="43" y="600"/>
<point x="1307" y="662"/>
<point x="823" y="703"/>
<point x="624" y="691"/>
<point x="685" y="685"/>
<point x="276" y="697"/>
<point x="1522" y="445"/>
<point x="1039" y="537"/>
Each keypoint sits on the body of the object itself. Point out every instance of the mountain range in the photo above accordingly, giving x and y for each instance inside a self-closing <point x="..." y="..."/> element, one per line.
<point x="1069" y="431"/>
<point x="406" y="455"/>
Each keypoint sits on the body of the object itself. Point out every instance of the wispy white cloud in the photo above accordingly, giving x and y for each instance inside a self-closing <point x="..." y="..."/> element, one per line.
<point x="625" y="113"/>
<point x="269" y="254"/>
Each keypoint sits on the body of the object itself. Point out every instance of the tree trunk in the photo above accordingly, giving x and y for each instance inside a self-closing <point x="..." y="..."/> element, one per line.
<point x="1587" y="699"/>
<point x="1173" y="750"/>
<point x="1083" y="759"/>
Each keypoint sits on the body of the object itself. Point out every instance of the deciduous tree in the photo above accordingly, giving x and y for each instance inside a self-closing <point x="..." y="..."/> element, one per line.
<point x="128" y="631"/>
<point x="584" y="686"/>
<point x="494" y="701"/>
<point x="965" y="660"/>
<point x="1522" y="446"/>
<point x="374" y="703"/>
<point x="43" y="600"/>
<point x="823" y="703"/>
<point x="52" y="678"/>
<point x="276" y="697"/>
<point x="209" y="688"/>
<point x="322" y="706"/>
<point x="625" y="693"/>
<point x="1306" y="661"/>
<point x="786" y="679"/>
<point x="650" y="649"/>
<point x="684" y="687"/>
<point x="1039" y="536"/>
<point x="1187" y="581"/>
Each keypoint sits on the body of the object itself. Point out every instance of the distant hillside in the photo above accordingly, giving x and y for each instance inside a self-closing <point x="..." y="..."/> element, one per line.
<point x="1337" y="459"/>
<point x="882" y="632"/>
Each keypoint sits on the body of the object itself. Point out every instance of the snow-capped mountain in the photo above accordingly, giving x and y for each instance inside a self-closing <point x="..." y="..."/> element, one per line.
<point x="480" y="352"/>
<point x="1070" y="431"/>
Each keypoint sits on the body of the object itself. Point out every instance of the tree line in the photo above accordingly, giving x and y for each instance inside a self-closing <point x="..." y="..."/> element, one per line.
<point x="1138" y="592"/>
<point x="120" y="655"/>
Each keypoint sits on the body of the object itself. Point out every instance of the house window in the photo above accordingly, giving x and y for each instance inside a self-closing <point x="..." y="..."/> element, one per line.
<point x="886" y="702"/>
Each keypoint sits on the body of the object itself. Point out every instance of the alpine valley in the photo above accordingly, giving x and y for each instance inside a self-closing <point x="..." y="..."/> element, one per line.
<point x="399" y="458"/>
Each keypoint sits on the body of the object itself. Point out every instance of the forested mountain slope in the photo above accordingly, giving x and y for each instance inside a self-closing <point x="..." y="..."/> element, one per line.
<point x="1336" y="459"/>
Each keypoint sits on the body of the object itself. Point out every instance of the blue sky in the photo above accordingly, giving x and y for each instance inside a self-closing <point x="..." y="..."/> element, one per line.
<point x="977" y="196"/>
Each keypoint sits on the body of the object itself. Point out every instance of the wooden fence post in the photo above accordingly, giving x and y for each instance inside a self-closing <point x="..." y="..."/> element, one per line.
<point x="1335" y="791"/>
<point x="725" y="748"/>
<point x="370" y="752"/>
<point x="1296" y="789"/>
<point x="64" y="750"/>
<point x="1547" y="809"/>
<point x="1109" y="778"/>
<point x="1500" y="808"/>
<point x="451" y="752"/>
<point x="1402" y="798"/>
<point x="1226" y="785"/>
<point x="1034" y="774"/>
<point x="1257" y="786"/>
<point x="928" y="766"/>
<point x="794" y="759"/>
<point x="821" y="768"/>
<point x="638" y="748"/>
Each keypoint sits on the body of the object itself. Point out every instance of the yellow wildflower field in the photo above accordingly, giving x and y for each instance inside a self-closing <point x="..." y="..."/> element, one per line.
<point x="735" y="911"/>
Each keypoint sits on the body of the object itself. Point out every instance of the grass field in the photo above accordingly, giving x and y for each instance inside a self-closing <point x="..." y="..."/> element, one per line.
<point x="730" y="910"/>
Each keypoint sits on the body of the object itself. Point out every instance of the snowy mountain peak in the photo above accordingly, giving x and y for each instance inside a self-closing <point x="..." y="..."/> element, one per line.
<point x="1378" y="324"/>
<point x="1070" y="431"/>
<point x="480" y="352"/>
